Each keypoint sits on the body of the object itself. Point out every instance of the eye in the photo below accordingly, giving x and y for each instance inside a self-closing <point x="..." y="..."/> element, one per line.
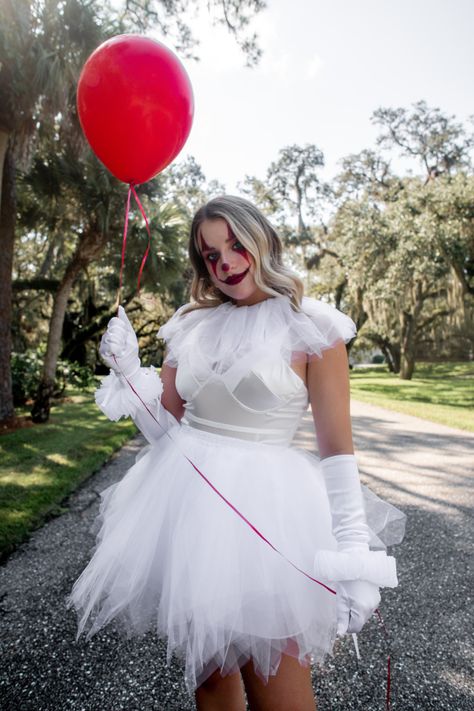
<point x="212" y="257"/>
<point x="238" y="245"/>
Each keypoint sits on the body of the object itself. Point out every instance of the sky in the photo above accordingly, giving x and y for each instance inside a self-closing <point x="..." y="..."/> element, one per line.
<point x="326" y="66"/>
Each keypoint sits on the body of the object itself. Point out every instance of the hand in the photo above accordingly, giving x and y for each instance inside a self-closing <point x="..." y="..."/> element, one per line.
<point x="356" y="601"/>
<point x="120" y="341"/>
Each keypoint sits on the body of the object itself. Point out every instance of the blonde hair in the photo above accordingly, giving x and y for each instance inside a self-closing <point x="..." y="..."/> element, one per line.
<point x="259" y="238"/>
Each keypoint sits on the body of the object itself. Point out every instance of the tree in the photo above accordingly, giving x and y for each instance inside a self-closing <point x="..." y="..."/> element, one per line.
<point x="427" y="135"/>
<point x="39" y="56"/>
<point x="294" y="180"/>
<point x="43" y="45"/>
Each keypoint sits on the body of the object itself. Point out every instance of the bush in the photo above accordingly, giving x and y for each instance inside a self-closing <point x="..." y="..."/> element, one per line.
<point x="26" y="375"/>
<point x="378" y="358"/>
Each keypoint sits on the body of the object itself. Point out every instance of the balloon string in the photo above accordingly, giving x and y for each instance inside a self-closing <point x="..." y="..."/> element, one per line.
<point x="124" y="242"/>
<point x="147" y="251"/>
<point x="255" y="529"/>
<point x="131" y="190"/>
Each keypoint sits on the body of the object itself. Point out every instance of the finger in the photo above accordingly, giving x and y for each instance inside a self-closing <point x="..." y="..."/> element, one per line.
<point x="109" y="341"/>
<point x="343" y="611"/>
<point x="116" y="341"/>
<point x="113" y="322"/>
<point x="118" y="329"/>
<point x="358" y="619"/>
<point x="123" y="317"/>
<point x="342" y="625"/>
<point x="356" y="622"/>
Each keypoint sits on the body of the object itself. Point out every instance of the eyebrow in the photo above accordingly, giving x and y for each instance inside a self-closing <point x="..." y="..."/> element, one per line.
<point x="207" y="248"/>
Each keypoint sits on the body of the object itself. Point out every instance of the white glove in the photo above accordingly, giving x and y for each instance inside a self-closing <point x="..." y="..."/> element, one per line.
<point x="356" y="601"/>
<point x="357" y="598"/>
<point x="120" y="341"/>
<point x="349" y="523"/>
<point x="115" y="397"/>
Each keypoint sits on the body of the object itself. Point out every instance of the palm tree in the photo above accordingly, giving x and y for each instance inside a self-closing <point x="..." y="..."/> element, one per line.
<point x="43" y="44"/>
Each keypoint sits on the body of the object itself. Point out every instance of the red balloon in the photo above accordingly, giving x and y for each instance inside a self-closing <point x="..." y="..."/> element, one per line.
<point x="135" y="105"/>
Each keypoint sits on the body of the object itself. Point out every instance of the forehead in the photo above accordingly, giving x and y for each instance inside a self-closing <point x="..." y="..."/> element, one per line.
<point x="214" y="234"/>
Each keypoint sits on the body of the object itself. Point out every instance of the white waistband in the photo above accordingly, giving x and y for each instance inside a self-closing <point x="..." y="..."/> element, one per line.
<point x="279" y="437"/>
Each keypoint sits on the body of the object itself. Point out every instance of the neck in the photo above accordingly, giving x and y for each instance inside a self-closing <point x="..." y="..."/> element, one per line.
<point x="253" y="299"/>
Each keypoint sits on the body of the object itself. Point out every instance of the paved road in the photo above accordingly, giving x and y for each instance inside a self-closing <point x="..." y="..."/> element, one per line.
<point x="423" y="468"/>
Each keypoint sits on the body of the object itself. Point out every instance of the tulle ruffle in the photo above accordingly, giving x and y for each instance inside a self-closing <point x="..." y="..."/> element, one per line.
<point x="173" y="557"/>
<point x="220" y="336"/>
<point x="116" y="398"/>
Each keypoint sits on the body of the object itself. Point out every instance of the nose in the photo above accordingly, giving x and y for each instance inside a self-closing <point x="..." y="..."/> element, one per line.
<point x="225" y="267"/>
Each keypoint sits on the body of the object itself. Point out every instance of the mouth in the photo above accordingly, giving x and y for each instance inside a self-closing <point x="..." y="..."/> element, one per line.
<point x="235" y="278"/>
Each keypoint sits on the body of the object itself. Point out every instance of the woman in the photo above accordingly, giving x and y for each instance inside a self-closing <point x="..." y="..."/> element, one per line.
<point x="213" y="537"/>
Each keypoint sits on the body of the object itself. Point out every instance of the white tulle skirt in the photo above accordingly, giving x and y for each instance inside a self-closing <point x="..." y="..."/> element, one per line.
<point x="172" y="556"/>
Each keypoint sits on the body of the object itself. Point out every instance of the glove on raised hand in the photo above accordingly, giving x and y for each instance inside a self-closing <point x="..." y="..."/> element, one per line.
<point x="129" y="386"/>
<point x="357" y="598"/>
<point x="120" y="341"/>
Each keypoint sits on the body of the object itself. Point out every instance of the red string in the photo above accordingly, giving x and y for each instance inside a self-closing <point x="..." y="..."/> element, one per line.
<point x="147" y="251"/>
<point x="389" y="680"/>
<point x="124" y="240"/>
<point x="131" y="190"/>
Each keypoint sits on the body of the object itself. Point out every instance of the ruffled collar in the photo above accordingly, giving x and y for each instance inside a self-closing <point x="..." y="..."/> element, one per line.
<point x="217" y="337"/>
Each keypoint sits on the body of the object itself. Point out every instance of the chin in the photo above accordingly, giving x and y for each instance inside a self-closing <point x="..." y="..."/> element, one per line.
<point x="239" y="291"/>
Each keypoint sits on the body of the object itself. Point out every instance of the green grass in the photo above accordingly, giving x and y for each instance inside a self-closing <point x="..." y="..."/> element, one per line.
<point x="440" y="392"/>
<point x="42" y="464"/>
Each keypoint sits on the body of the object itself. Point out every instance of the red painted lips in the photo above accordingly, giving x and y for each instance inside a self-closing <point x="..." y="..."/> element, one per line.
<point x="235" y="278"/>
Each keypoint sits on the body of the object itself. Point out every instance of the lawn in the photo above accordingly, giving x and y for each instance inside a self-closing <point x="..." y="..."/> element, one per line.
<point x="440" y="392"/>
<point x="42" y="464"/>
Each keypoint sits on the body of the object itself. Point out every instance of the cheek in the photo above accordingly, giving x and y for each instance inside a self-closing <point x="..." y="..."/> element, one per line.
<point x="246" y="256"/>
<point x="214" y="268"/>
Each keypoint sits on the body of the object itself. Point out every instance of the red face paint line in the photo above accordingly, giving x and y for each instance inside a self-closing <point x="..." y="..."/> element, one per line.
<point x="205" y="246"/>
<point x="242" y="251"/>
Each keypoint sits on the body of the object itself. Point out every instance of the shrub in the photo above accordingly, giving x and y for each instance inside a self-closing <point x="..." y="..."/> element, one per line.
<point x="26" y="375"/>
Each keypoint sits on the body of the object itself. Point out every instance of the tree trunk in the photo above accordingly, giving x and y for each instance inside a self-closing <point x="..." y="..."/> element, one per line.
<point x="7" y="240"/>
<point x="409" y="324"/>
<point x="4" y="137"/>
<point x="391" y="352"/>
<point x="89" y="248"/>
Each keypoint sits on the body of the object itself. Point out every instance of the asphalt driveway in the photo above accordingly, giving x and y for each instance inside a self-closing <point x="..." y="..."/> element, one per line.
<point x="423" y="468"/>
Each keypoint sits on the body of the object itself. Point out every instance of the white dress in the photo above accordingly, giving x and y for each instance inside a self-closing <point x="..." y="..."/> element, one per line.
<point x="171" y="555"/>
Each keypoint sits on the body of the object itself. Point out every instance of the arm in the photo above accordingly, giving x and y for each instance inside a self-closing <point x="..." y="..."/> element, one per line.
<point x="170" y="398"/>
<point x="167" y="409"/>
<point x="328" y="386"/>
<point x="131" y="390"/>
<point x="329" y="390"/>
<point x="356" y="571"/>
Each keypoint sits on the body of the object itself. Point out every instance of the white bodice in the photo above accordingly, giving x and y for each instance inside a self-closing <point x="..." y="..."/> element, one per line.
<point x="263" y="402"/>
<point x="234" y="364"/>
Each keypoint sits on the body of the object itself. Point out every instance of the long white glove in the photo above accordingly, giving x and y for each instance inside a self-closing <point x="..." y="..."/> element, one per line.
<point x="131" y="390"/>
<point x="357" y="571"/>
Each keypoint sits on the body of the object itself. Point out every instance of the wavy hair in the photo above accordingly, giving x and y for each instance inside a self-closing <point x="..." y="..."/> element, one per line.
<point x="259" y="238"/>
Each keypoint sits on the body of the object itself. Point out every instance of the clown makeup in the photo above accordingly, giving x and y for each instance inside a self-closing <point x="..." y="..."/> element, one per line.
<point x="211" y="254"/>
<point x="227" y="260"/>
